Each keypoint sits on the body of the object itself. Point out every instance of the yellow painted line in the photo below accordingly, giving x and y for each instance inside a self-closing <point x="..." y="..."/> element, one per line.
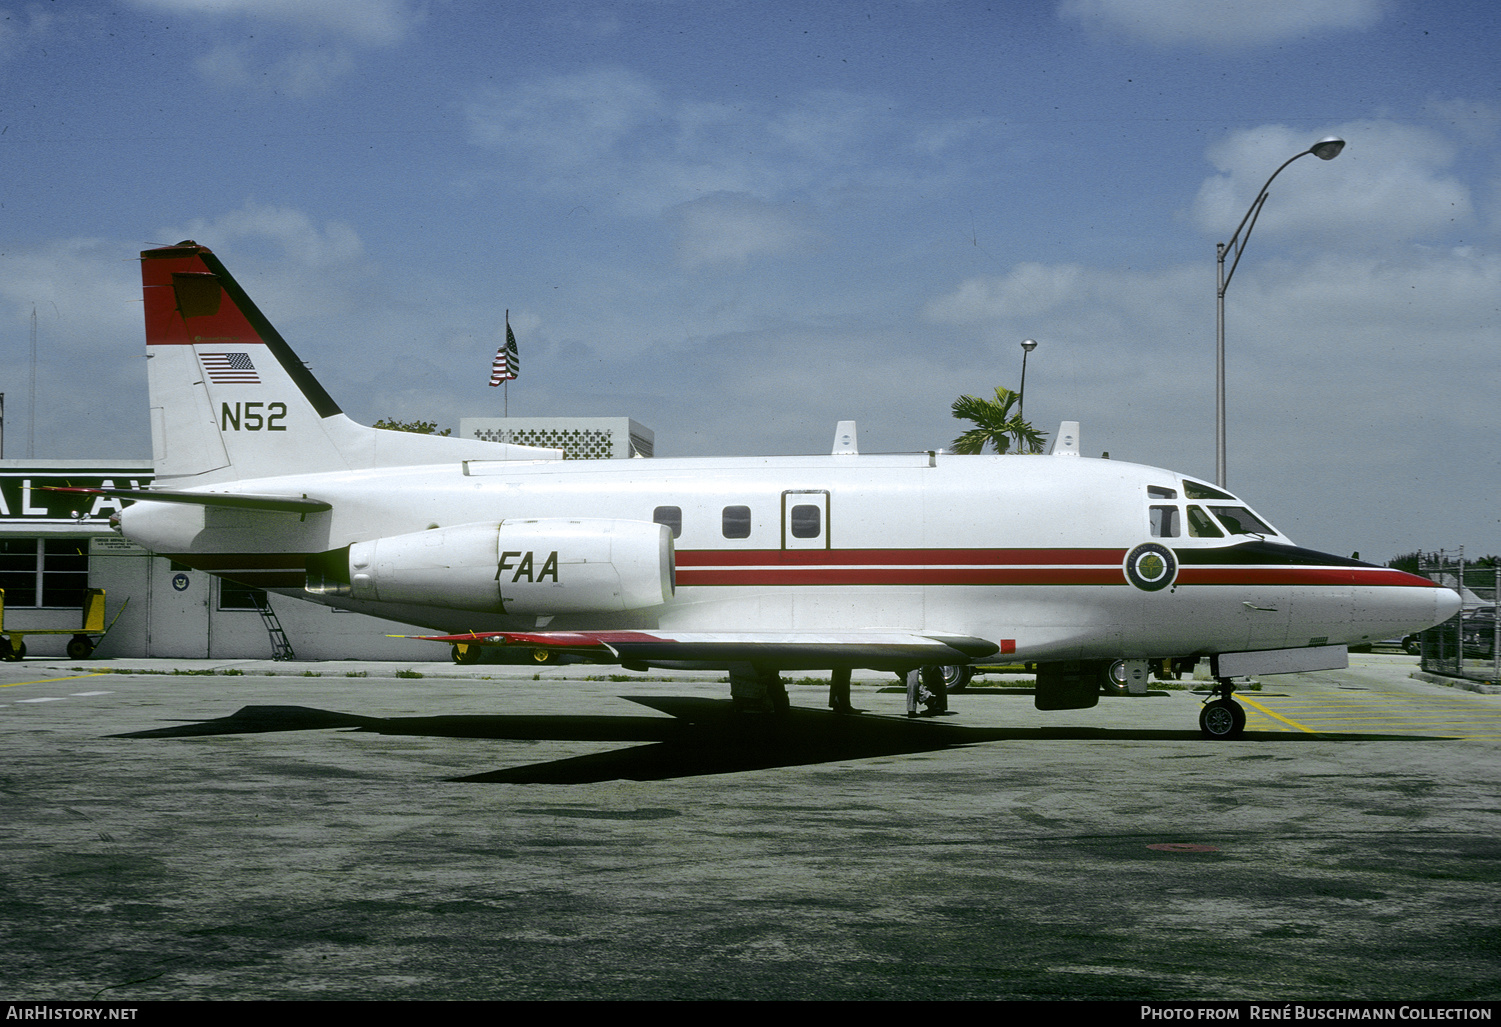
<point x="48" y="681"/>
<point x="1275" y="716"/>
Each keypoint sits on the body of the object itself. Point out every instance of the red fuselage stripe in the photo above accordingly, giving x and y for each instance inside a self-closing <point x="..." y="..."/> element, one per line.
<point x="897" y="557"/>
<point x="775" y="567"/>
<point x="902" y="576"/>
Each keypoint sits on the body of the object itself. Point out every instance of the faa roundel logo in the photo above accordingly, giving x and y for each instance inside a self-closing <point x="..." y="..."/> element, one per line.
<point x="1151" y="566"/>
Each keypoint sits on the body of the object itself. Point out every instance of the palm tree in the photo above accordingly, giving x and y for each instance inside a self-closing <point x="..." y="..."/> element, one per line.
<point x="995" y="425"/>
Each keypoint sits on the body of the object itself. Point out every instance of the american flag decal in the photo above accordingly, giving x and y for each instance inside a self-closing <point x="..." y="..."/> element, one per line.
<point x="229" y="368"/>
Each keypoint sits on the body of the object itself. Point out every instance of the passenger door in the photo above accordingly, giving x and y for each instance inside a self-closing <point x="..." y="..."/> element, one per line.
<point x="805" y="519"/>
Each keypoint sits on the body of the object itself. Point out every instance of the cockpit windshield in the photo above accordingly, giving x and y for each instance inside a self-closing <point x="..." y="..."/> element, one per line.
<point x="1216" y="520"/>
<point x="1240" y="521"/>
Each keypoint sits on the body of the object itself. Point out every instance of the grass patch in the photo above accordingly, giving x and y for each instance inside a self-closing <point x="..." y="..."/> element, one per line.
<point x="312" y="674"/>
<point x="356" y="673"/>
<point x="409" y="674"/>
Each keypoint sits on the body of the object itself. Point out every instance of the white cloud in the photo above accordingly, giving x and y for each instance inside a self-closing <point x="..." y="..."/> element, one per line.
<point x="362" y="22"/>
<point x="55" y="278"/>
<point x="1391" y="184"/>
<point x="1476" y="120"/>
<point x="1030" y="290"/>
<point x="301" y="73"/>
<point x="610" y="135"/>
<point x="297" y="236"/>
<point x="569" y="122"/>
<point x="1222" y="22"/>
<point x="733" y="227"/>
<point x="90" y="374"/>
<point x="327" y="34"/>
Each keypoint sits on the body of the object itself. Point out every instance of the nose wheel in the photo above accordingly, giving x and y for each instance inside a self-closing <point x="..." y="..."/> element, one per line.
<point x="1222" y="717"/>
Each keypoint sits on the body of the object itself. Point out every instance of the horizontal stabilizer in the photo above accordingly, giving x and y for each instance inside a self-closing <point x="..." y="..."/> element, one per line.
<point x="233" y="501"/>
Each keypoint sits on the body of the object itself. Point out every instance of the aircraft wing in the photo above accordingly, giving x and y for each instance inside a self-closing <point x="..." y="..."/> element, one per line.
<point x="874" y="650"/>
<point x="232" y="500"/>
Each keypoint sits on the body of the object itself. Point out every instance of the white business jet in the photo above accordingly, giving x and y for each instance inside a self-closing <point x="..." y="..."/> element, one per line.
<point x="906" y="563"/>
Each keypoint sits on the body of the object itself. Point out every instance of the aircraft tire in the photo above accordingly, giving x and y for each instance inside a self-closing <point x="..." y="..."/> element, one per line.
<point x="1222" y="719"/>
<point x="957" y="679"/>
<point x="465" y="654"/>
<point x="79" y="647"/>
<point x="1113" y="678"/>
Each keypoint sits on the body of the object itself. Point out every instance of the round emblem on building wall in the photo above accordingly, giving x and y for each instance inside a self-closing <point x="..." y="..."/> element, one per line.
<point x="179" y="581"/>
<point x="1151" y="566"/>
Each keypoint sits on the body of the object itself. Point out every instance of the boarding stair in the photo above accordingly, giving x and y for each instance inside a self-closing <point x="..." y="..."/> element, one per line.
<point x="281" y="647"/>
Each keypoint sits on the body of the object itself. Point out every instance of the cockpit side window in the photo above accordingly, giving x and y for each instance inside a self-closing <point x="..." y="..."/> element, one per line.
<point x="1165" y="522"/>
<point x="1161" y="492"/>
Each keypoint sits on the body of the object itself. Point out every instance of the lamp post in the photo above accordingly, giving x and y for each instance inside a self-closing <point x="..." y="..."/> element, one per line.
<point x="1028" y="345"/>
<point x="1324" y="149"/>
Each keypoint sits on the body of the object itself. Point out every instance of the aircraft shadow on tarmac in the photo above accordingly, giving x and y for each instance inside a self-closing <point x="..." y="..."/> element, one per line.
<point x="704" y="736"/>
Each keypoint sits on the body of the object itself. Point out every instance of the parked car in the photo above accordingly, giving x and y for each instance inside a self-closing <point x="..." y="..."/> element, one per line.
<point x="1477" y="633"/>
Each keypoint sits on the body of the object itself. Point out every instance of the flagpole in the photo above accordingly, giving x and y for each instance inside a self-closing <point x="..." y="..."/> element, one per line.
<point x="506" y="391"/>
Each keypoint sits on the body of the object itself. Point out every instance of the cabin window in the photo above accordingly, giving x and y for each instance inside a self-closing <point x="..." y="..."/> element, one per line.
<point x="672" y="516"/>
<point x="1201" y="525"/>
<point x="736" y="522"/>
<point x="806" y="521"/>
<point x="1240" y="521"/>
<point x="1165" y="522"/>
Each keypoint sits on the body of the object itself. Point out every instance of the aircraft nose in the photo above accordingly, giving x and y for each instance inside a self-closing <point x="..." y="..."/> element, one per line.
<point x="1446" y="604"/>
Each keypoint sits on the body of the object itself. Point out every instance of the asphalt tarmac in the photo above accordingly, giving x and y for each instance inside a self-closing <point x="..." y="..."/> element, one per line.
<point x="337" y="831"/>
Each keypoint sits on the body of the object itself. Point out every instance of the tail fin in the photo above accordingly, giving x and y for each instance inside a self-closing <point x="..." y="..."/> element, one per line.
<point x="230" y="400"/>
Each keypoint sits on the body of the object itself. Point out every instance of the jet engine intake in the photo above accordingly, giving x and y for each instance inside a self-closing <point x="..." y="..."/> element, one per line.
<point x="543" y="566"/>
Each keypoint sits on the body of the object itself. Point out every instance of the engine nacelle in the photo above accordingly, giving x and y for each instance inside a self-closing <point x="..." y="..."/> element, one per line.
<point x="544" y="566"/>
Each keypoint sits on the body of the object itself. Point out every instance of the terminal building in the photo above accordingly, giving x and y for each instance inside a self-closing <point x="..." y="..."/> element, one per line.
<point x="54" y="546"/>
<point x="580" y="438"/>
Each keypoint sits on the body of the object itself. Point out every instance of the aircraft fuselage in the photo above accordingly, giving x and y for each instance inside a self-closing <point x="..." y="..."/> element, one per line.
<point x="1043" y="555"/>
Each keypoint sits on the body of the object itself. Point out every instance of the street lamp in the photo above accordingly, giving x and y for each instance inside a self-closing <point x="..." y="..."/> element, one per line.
<point x="1028" y="345"/>
<point x="1324" y="149"/>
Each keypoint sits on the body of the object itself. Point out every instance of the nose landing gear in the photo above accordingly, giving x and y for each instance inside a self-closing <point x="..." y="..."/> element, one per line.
<point x="1221" y="716"/>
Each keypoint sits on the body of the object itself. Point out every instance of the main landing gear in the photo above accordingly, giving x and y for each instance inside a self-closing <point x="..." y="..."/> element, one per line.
<point x="1222" y="716"/>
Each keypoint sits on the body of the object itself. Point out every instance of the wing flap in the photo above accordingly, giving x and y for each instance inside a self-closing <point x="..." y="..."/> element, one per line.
<point x="874" y="650"/>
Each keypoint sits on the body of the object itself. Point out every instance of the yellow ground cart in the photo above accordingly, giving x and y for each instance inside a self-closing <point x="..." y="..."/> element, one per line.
<point x="13" y="640"/>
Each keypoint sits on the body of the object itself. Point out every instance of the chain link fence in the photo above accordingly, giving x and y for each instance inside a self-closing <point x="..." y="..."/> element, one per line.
<point x="1468" y="645"/>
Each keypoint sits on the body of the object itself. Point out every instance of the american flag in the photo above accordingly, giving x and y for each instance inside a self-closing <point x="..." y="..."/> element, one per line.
<point x="229" y="368"/>
<point x="507" y="364"/>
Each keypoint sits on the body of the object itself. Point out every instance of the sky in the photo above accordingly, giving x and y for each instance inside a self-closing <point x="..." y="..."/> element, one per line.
<point x="739" y="223"/>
